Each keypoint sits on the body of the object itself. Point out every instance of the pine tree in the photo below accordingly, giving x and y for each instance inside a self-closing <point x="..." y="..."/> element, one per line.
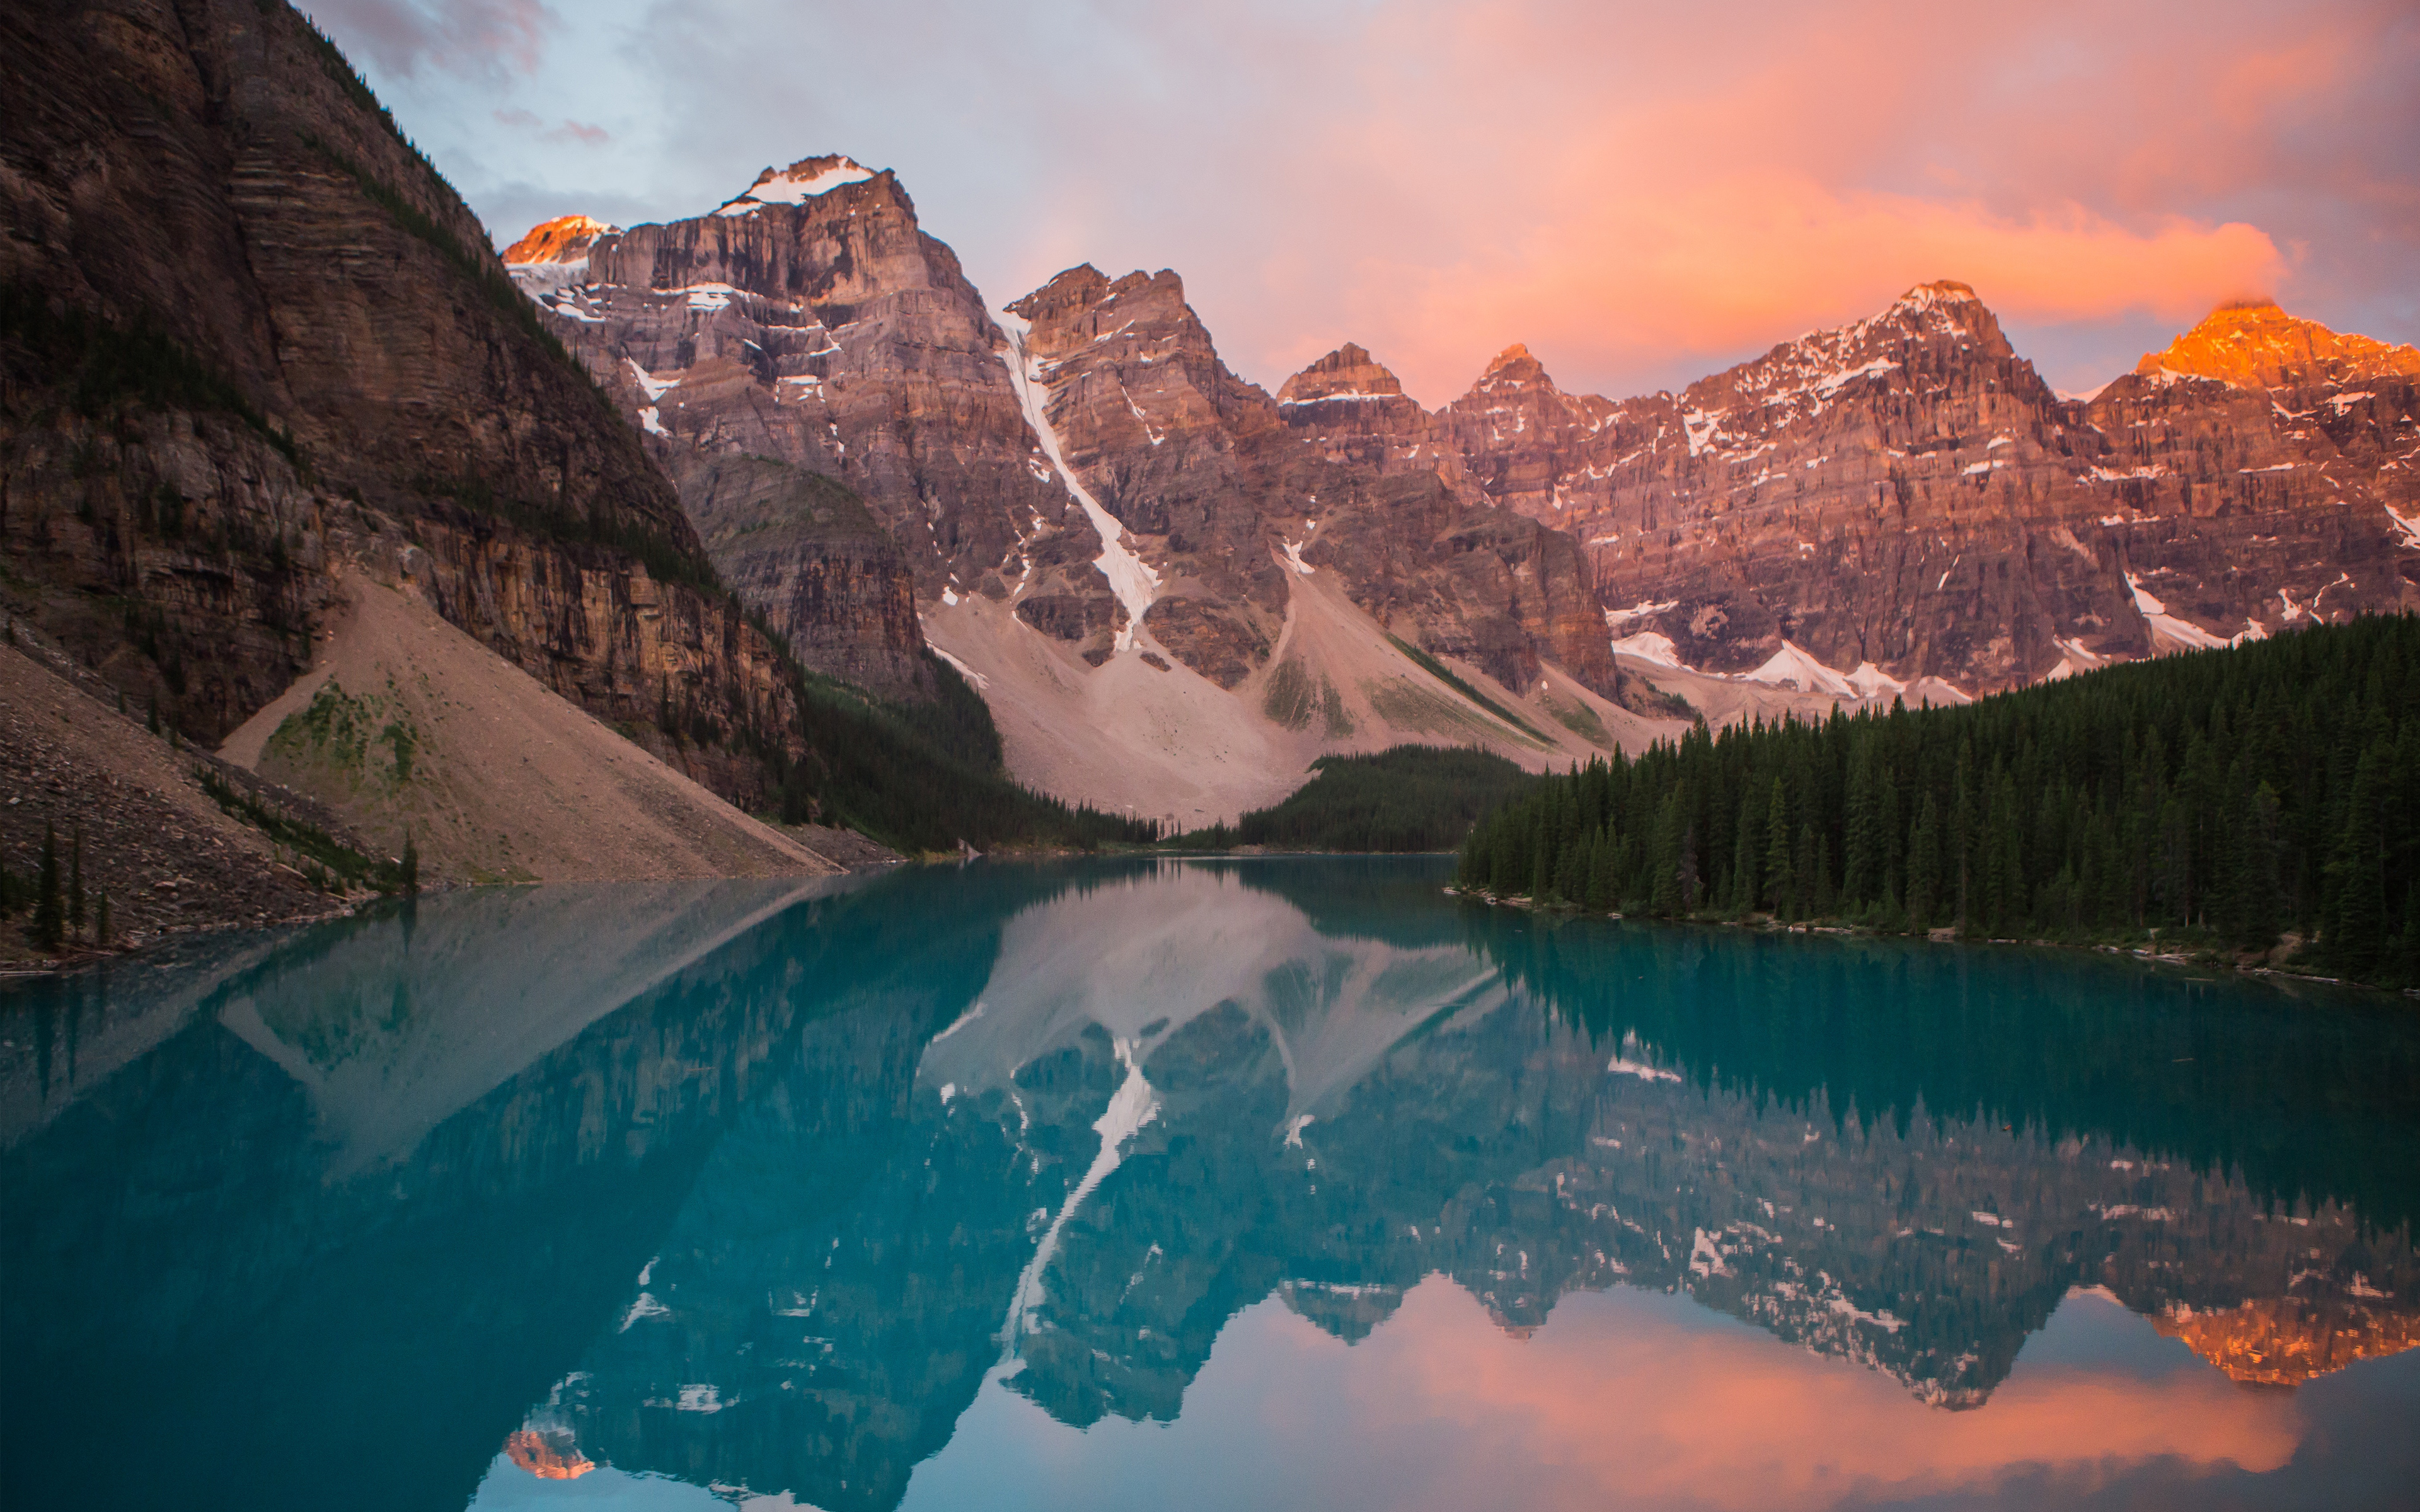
<point x="1744" y="860"/>
<point x="2358" y="933"/>
<point x="102" y="932"/>
<point x="49" y="917"/>
<point x="410" y="866"/>
<point x="1778" y="887"/>
<point x="75" y="882"/>
<point x="1924" y="867"/>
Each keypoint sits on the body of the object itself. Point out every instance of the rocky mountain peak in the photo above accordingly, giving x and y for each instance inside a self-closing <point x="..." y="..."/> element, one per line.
<point x="1513" y="365"/>
<point x="565" y="239"/>
<point x="2252" y="344"/>
<point x="1074" y="289"/>
<point x="1346" y="373"/>
<point x="1938" y="292"/>
<point x="805" y="179"/>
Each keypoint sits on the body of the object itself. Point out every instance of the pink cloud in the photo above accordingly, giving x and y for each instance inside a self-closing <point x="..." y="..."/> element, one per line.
<point x="1631" y="193"/>
<point x="1621" y="1401"/>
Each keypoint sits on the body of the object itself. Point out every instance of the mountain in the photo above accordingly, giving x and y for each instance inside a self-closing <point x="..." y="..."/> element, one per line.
<point x="1906" y="493"/>
<point x="256" y="353"/>
<point x="2252" y="344"/>
<point x="1172" y="594"/>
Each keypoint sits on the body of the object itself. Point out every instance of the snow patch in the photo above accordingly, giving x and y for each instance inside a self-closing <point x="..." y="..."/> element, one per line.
<point x="1791" y="667"/>
<point x="2406" y="526"/>
<point x="1132" y="1107"/>
<point x="1616" y="618"/>
<point x="783" y="187"/>
<point x="1873" y="681"/>
<point x="1130" y="577"/>
<point x="2168" y="626"/>
<point x="653" y="386"/>
<point x="1649" y="645"/>
<point x="1621" y="1067"/>
<point x="2073" y="658"/>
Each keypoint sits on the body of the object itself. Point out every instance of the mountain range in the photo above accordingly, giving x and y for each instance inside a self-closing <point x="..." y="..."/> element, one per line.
<point x="1172" y="587"/>
<point x="789" y="516"/>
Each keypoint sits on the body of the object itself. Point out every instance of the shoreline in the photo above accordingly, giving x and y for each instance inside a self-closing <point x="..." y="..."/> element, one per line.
<point x="1765" y="925"/>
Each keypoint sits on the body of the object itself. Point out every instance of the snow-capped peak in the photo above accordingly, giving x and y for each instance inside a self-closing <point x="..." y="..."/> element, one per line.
<point x="801" y="182"/>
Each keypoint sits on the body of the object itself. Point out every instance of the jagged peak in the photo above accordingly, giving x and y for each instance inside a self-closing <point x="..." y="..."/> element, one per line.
<point x="565" y="239"/>
<point x="1347" y="373"/>
<point x="1514" y="366"/>
<point x="2253" y="344"/>
<point x="805" y="179"/>
<point x="1937" y="292"/>
<point x="1078" y="286"/>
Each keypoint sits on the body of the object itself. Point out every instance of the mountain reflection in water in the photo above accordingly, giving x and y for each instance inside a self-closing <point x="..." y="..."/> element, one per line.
<point x="1291" y="1182"/>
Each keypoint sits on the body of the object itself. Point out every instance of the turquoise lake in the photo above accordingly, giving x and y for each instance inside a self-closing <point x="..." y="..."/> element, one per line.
<point x="1272" y="1183"/>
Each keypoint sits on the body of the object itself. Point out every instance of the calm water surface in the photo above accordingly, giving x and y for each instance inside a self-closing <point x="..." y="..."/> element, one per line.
<point x="1286" y="1183"/>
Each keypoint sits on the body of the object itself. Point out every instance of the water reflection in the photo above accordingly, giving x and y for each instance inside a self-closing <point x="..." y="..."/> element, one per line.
<point x="1290" y="1182"/>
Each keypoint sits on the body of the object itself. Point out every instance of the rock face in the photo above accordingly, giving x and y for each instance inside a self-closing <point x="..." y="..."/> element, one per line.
<point x="1086" y="460"/>
<point x="1226" y="492"/>
<point x="1907" y="492"/>
<point x="249" y="332"/>
<point x="807" y="548"/>
<point x="2254" y="345"/>
<point x="812" y="322"/>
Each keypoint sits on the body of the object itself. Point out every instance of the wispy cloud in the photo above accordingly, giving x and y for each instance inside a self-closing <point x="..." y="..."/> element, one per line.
<point x="1639" y="192"/>
<point x="479" y="38"/>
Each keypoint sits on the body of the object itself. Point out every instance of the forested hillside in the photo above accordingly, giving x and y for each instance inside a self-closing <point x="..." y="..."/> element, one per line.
<point x="2226" y="797"/>
<point x="1404" y="798"/>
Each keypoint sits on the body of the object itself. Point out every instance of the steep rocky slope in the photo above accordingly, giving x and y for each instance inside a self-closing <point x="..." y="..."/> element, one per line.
<point x="1906" y="493"/>
<point x="416" y="733"/>
<point x="810" y="321"/>
<point x="130" y="817"/>
<point x="246" y="331"/>
<point x="1087" y="510"/>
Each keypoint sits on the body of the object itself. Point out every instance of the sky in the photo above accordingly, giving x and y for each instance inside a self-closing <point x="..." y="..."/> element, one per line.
<point x="1643" y="193"/>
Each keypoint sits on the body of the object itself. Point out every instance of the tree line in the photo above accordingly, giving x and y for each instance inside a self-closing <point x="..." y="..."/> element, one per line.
<point x="2222" y="797"/>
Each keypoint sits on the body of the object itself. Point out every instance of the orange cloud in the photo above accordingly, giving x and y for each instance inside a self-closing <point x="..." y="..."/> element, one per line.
<point x="1629" y="193"/>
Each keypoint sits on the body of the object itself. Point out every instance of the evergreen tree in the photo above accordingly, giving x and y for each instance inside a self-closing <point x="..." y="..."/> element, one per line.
<point x="50" y="915"/>
<point x="102" y="932"/>
<point x="76" y="881"/>
<point x="1744" y="892"/>
<point x="1779" y="888"/>
<point x="1924" y="867"/>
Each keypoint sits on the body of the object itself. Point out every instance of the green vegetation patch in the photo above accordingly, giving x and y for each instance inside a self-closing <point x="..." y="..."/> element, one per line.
<point x="1289" y="698"/>
<point x="1405" y="798"/>
<point x="1437" y="669"/>
<point x="358" y="737"/>
<point x="1582" y="721"/>
<point x="326" y="862"/>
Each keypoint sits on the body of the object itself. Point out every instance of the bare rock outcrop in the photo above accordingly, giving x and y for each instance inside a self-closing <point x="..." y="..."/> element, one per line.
<point x="811" y="321"/>
<point x="1906" y="492"/>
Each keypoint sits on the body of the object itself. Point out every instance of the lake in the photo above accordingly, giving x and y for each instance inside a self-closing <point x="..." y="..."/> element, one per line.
<point x="1270" y="1183"/>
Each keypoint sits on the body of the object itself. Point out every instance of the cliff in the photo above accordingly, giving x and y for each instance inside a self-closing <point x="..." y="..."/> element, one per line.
<point x="1906" y="491"/>
<point x="249" y="334"/>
